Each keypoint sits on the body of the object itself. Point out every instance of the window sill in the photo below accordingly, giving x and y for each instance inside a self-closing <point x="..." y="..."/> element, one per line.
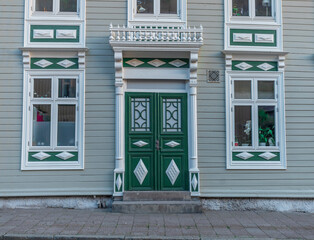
<point x="143" y="21"/>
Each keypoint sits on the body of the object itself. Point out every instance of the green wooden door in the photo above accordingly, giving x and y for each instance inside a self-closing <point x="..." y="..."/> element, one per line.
<point x="156" y="141"/>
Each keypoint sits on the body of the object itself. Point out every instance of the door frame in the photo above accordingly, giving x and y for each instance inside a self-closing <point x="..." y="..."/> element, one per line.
<point x="190" y="81"/>
<point x="156" y="159"/>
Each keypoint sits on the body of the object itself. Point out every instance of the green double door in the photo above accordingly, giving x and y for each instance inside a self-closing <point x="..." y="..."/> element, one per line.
<point x="156" y="142"/>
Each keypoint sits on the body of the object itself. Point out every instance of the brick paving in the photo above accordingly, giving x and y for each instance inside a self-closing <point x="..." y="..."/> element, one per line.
<point x="56" y="223"/>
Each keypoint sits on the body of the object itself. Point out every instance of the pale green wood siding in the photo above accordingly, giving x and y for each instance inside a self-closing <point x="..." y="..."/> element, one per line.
<point x="298" y="179"/>
<point x="216" y="181"/>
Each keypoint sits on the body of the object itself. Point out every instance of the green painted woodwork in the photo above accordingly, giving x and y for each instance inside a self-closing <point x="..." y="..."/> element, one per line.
<point x="54" y="62"/>
<point x="147" y="65"/>
<point x="151" y="117"/>
<point x="54" y="28"/>
<point x="253" y="32"/>
<point x="255" y="157"/>
<point x="53" y="157"/>
<point x="254" y="65"/>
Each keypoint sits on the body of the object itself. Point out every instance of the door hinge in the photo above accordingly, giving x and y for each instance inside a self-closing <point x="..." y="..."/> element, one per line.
<point x="277" y="109"/>
<point x="77" y="108"/>
<point x="27" y="143"/>
<point x="231" y="109"/>
<point x="29" y="108"/>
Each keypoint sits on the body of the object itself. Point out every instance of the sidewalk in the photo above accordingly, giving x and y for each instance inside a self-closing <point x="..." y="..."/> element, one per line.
<point x="92" y="224"/>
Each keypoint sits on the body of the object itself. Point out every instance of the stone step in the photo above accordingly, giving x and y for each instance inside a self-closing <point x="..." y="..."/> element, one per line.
<point x="156" y="196"/>
<point x="193" y="206"/>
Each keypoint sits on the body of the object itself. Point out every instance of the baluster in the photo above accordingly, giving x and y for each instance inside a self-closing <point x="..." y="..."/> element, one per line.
<point x="201" y="34"/>
<point x="140" y="36"/>
<point x="167" y="34"/>
<point x="189" y="34"/>
<point x="111" y="33"/>
<point x="194" y="37"/>
<point x="123" y="33"/>
<point x="183" y="35"/>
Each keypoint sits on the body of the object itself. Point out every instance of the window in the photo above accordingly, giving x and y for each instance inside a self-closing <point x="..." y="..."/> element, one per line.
<point x="252" y="8"/>
<point x="157" y="7"/>
<point x="254" y="104"/>
<point x="53" y="122"/>
<point x="56" y="6"/>
<point x="160" y="11"/>
<point x="255" y="122"/>
<point x="54" y="113"/>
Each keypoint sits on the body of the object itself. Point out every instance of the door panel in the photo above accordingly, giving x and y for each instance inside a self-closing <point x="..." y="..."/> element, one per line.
<point x="142" y="176"/>
<point x="156" y="141"/>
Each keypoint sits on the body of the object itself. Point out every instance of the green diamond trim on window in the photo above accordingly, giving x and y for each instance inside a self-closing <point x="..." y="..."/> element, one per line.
<point x="248" y="37"/>
<point x="62" y="156"/>
<point x="263" y="66"/>
<point x="266" y="156"/>
<point x="156" y="62"/>
<point x="54" y="33"/>
<point x="54" y="63"/>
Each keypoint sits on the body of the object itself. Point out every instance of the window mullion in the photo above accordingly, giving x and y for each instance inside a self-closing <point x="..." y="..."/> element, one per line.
<point x="252" y="8"/>
<point x="56" y="6"/>
<point x="156" y="8"/>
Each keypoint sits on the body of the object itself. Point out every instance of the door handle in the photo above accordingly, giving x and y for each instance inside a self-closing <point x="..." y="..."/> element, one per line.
<point x="157" y="145"/>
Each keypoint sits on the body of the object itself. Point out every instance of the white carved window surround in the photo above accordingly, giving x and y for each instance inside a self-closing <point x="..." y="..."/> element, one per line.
<point x="157" y="12"/>
<point x="53" y="119"/>
<point x="253" y="11"/>
<point x="255" y="120"/>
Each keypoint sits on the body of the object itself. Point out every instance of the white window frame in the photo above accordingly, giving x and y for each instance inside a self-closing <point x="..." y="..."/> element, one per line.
<point x="278" y="102"/>
<point x="54" y="101"/>
<point x="31" y="12"/>
<point x="252" y="19"/>
<point x="156" y="18"/>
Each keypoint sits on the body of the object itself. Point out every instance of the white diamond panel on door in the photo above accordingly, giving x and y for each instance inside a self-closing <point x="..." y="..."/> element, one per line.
<point x="171" y="121"/>
<point x="140" y="114"/>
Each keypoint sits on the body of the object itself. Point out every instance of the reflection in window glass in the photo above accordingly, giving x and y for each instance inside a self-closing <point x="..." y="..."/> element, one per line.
<point x="68" y="5"/>
<point x="242" y="89"/>
<point x="44" y="5"/>
<point x="266" y="89"/>
<point x="42" y="88"/>
<point x="66" y="125"/>
<point x="168" y="6"/>
<point x="41" y="125"/>
<point x="145" y="6"/>
<point x="240" y="7"/>
<point x="67" y="88"/>
<point x="243" y="126"/>
<point x="263" y="8"/>
<point x="266" y="125"/>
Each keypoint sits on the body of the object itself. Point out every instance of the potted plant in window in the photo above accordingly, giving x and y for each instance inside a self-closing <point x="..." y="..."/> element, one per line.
<point x="266" y="135"/>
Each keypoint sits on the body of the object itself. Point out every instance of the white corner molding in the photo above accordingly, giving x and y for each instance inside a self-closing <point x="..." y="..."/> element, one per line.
<point x="264" y="38"/>
<point x="65" y="34"/>
<point x="242" y="37"/>
<point x="43" y="33"/>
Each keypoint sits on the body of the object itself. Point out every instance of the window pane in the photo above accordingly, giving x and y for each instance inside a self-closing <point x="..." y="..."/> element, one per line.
<point x="263" y="8"/>
<point x="266" y="89"/>
<point x="42" y="88"/>
<point x="44" y="5"/>
<point x="242" y="89"/>
<point x="66" y="125"/>
<point x="67" y="88"/>
<point x="41" y="125"/>
<point x="243" y="126"/>
<point x="240" y="7"/>
<point x="145" y="6"/>
<point x="68" y="5"/>
<point x="266" y="125"/>
<point x="168" y="6"/>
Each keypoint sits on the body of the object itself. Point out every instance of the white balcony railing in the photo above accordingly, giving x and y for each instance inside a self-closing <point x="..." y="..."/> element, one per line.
<point x="156" y="34"/>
